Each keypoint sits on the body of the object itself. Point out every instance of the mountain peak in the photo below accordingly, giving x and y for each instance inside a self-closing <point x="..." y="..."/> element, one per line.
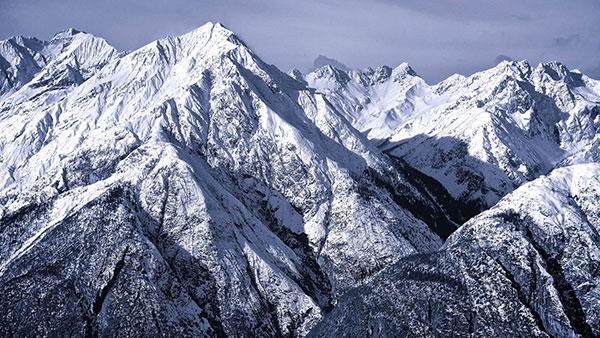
<point x="323" y="60"/>
<point x="67" y="33"/>
<point x="332" y="73"/>
<point x="513" y="64"/>
<point x="556" y="70"/>
<point x="297" y="75"/>
<point x="215" y="32"/>
<point x="520" y="68"/>
<point x="404" y="69"/>
<point x="211" y="28"/>
<point x="32" y="43"/>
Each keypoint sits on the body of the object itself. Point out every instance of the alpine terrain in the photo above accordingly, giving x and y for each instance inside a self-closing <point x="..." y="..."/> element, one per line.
<point x="188" y="188"/>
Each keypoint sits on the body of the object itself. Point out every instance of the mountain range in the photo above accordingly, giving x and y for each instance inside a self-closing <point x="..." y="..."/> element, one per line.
<point x="189" y="188"/>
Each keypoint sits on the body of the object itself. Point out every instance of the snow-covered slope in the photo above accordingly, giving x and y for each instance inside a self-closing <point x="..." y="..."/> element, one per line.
<point x="189" y="188"/>
<point x="375" y="101"/>
<point x="526" y="267"/>
<point x="69" y="58"/>
<point x="479" y="136"/>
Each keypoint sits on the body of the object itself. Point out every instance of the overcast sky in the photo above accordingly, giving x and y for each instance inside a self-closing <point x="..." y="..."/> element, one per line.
<point x="438" y="38"/>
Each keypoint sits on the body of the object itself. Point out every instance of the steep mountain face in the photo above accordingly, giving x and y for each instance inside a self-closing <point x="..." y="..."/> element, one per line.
<point x="20" y="60"/>
<point x="188" y="188"/>
<point x="529" y="266"/>
<point x="479" y="136"/>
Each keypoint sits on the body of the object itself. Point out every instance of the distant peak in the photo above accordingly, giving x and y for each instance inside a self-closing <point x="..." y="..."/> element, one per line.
<point x="328" y="69"/>
<point x="514" y="63"/>
<point x="23" y="40"/>
<point x="404" y="69"/>
<point x="555" y="70"/>
<point x="332" y="73"/>
<point x="297" y="75"/>
<point x="67" y="33"/>
<point x="323" y="60"/>
<point x="502" y="57"/>
<point x="521" y="68"/>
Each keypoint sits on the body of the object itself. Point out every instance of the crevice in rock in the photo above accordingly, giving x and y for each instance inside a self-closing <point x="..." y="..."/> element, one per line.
<point x="101" y="296"/>
<point x="523" y="297"/>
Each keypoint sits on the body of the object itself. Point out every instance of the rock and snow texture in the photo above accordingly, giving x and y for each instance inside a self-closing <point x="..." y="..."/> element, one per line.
<point x="527" y="267"/>
<point x="187" y="188"/>
<point x="479" y="136"/>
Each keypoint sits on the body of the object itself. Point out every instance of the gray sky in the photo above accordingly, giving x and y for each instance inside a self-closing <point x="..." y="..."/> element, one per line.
<point x="438" y="38"/>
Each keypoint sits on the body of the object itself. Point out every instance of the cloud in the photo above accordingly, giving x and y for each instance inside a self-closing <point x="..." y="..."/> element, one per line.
<point x="323" y="60"/>
<point x="568" y="41"/>
<point x="470" y="10"/>
<point x="522" y="17"/>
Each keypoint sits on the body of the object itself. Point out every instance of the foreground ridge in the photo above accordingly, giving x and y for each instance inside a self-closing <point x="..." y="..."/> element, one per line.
<point x="525" y="267"/>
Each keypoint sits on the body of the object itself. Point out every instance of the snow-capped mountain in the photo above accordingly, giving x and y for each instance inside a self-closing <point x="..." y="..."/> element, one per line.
<point x="375" y="101"/>
<point x="323" y="60"/>
<point x="68" y="59"/>
<point x="188" y="187"/>
<point x="527" y="267"/>
<point x="479" y="136"/>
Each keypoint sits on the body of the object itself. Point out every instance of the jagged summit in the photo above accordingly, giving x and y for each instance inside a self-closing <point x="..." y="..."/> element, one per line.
<point x="29" y="60"/>
<point x="214" y="30"/>
<point x="21" y="40"/>
<point x="519" y="68"/>
<point x="404" y="68"/>
<point x="68" y="59"/>
<point x="67" y="33"/>
<point x="373" y="99"/>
